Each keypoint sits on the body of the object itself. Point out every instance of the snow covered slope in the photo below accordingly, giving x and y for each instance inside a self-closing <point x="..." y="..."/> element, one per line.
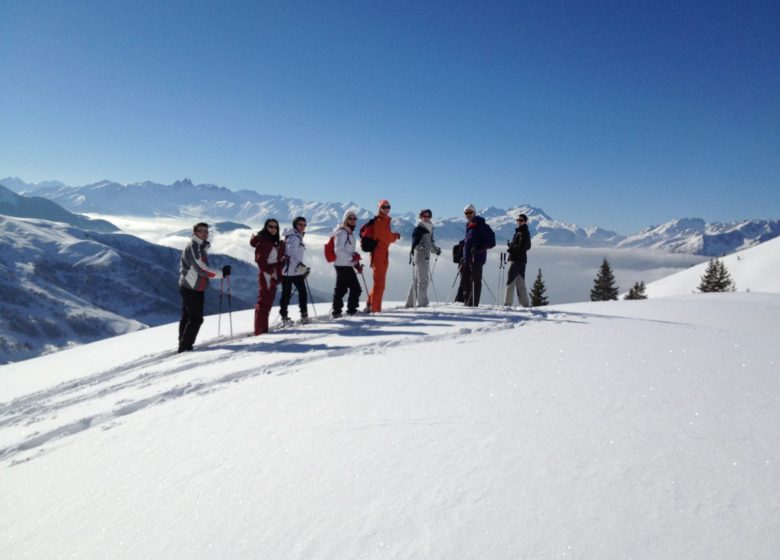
<point x="756" y="270"/>
<point x="618" y="430"/>
<point x="61" y="285"/>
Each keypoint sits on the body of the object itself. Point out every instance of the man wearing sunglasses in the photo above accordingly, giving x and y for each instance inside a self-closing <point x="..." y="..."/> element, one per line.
<point x="382" y="232"/>
<point x="194" y="277"/>
<point x="479" y="239"/>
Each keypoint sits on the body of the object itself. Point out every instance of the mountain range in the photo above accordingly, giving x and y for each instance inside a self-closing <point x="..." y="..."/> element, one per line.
<point x="186" y="199"/>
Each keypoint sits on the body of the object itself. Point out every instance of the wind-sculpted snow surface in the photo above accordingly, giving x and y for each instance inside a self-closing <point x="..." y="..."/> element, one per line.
<point x="613" y="430"/>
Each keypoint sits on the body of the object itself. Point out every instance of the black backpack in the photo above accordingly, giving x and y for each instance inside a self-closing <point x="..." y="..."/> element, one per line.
<point x="367" y="242"/>
<point x="457" y="253"/>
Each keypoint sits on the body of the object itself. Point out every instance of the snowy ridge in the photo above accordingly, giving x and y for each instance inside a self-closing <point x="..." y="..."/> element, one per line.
<point x="696" y="237"/>
<point x="11" y="204"/>
<point x="621" y="429"/>
<point x="185" y="199"/>
<point x="756" y="270"/>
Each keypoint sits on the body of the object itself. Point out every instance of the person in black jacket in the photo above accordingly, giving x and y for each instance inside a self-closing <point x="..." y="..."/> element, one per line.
<point x="518" y="258"/>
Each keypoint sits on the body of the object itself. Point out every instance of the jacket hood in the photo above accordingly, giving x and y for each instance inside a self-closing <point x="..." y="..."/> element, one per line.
<point x="426" y="225"/>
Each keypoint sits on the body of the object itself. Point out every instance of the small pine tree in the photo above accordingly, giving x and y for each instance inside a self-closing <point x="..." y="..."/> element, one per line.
<point x="604" y="288"/>
<point x="716" y="278"/>
<point x="637" y="292"/>
<point x="538" y="297"/>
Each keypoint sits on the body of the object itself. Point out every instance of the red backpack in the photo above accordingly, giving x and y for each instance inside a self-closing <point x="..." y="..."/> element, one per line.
<point x="330" y="249"/>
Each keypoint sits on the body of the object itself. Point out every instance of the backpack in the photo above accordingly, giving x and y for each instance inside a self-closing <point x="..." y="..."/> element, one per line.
<point x="489" y="236"/>
<point x="457" y="253"/>
<point x="367" y="243"/>
<point x="330" y="249"/>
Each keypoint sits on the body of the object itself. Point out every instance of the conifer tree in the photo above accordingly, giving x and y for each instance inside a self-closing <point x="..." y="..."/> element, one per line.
<point x="538" y="297"/>
<point x="604" y="288"/>
<point x="716" y="278"/>
<point x="637" y="292"/>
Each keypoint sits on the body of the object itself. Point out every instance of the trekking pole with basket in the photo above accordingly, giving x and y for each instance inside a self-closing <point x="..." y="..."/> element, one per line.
<point x="230" y="307"/>
<point x="219" y="318"/>
<point x="311" y="299"/>
<point x="415" y="293"/>
<point x="430" y="278"/>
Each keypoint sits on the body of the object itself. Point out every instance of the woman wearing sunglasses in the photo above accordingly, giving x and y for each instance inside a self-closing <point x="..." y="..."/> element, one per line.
<point x="269" y="252"/>
<point x="422" y="247"/>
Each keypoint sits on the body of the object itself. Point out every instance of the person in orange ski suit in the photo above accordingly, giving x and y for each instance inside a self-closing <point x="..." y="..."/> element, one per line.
<point x="380" y="257"/>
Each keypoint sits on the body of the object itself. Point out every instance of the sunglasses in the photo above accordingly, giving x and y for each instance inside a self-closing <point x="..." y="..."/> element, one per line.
<point x="469" y="213"/>
<point x="385" y="207"/>
<point x="201" y="230"/>
<point x="272" y="227"/>
<point x="352" y="217"/>
<point x="426" y="215"/>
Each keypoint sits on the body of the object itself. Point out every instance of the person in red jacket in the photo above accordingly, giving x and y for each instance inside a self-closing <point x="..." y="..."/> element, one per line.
<point x="382" y="232"/>
<point x="269" y="252"/>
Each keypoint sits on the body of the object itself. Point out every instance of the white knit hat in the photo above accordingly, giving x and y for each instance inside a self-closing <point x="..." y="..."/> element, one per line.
<point x="469" y="207"/>
<point x="347" y="214"/>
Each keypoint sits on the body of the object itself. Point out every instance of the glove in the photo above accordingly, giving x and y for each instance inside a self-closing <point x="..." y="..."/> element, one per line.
<point x="359" y="268"/>
<point x="397" y="236"/>
<point x="436" y="251"/>
<point x="302" y="269"/>
<point x="356" y="257"/>
<point x="226" y="270"/>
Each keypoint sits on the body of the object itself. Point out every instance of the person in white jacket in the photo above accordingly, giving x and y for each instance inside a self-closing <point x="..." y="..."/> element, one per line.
<point x="294" y="271"/>
<point x="347" y="262"/>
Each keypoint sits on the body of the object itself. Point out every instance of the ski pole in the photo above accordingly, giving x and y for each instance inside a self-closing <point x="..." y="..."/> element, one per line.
<point x="230" y="308"/>
<point x="415" y="291"/>
<point x="489" y="290"/>
<point x="452" y="289"/>
<point x="219" y="316"/>
<point x="501" y="271"/>
<point x="433" y="285"/>
<point x="311" y="299"/>
<point x="365" y="285"/>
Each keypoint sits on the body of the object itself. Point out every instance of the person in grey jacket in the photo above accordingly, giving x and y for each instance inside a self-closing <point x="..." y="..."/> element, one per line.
<point x="294" y="271"/>
<point x="422" y="247"/>
<point x="194" y="277"/>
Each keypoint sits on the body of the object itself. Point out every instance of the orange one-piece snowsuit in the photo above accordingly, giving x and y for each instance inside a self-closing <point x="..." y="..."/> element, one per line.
<point x="380" y="259"/>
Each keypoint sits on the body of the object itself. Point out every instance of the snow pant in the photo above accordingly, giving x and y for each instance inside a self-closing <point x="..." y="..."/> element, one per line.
<point x="300" y="286"/>
<point x="380" y="260"/>
<point x="516" y="282"/>
<point x="418" y="291"/>
<point x="346" y="281"/>
<point x="265" y="300"/>
<point x="192" y="302"/>
<point x="471" y="282"/>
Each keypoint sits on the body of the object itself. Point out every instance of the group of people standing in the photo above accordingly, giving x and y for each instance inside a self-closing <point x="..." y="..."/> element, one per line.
<point x="280" y="259"/>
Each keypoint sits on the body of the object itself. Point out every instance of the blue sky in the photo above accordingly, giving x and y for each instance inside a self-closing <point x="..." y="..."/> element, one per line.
<point x="617" y="114"/>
